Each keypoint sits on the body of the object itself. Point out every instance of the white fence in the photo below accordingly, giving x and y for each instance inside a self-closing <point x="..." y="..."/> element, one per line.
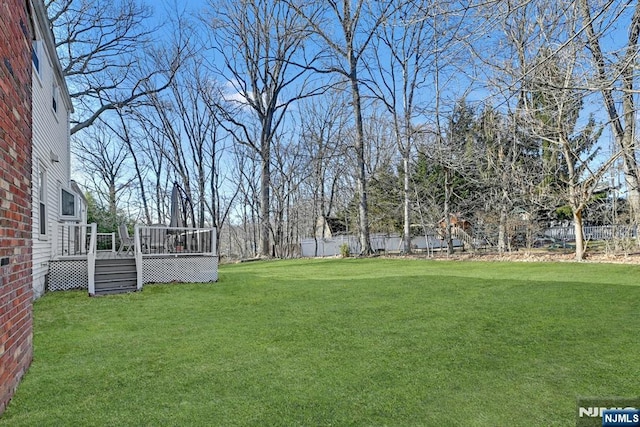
<point x="600" y="232"/>
<point x="323" y="247"/>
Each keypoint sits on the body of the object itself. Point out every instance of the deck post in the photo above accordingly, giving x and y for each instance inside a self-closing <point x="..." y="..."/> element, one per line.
<point x="214" y="239"/>
<point x="54" y="240"/>
<point x="91" y="260"/>
<point x="138" y="256"/>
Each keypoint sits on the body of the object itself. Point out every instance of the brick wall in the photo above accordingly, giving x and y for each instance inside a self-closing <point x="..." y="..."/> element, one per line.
<point x="15" y="197"/>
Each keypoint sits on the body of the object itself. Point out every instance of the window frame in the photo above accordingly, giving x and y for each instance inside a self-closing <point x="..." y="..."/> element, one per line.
<point x="55" y="98"/>
<point x="36" y="57"/>
<point x="43" y="208"/>
<point x="76" y="204"/>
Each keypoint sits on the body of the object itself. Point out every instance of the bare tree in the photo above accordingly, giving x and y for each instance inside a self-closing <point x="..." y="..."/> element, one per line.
<point x="323" y="129"/>
<point x="104" y="49"/>
<point x="402" y="61"/>
<point x="105" y="161"/>
<point x="219" y="202"/>
<point x="346" y="29"/>
<point x="290" y="171"/>
<point x="544" y="79"/>
<point x="247" y="176"/>
<point x="448" y="148"/>
<point x="258" y="42"/>
<point x="616" y="78"/>
<point x="183" y="125"/>
<point x="147" y="143"/>
<point x="553" y="109"/>
<point x="128" y="135"/>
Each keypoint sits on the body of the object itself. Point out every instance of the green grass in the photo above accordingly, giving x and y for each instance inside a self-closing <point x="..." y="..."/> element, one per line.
<point x="339" y="342"/>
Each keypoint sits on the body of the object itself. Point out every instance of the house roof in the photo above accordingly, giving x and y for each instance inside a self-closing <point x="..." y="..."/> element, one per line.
<point x="75" y="187"/>
<point x="336" y="225"/>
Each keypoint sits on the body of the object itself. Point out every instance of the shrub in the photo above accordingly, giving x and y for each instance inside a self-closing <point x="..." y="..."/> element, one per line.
<point x="345" y="251"/>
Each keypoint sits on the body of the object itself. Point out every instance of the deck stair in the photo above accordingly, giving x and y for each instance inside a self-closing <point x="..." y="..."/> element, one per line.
<point x="115" y="276"/>
<point x="464" y="237"/>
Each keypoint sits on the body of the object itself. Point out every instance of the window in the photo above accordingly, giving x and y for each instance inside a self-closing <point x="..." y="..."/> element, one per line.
<point x="35" y="55"/>
<point x="54" y="95"/>
<point x="42" y="196"/>
<point x="68" y="204"/>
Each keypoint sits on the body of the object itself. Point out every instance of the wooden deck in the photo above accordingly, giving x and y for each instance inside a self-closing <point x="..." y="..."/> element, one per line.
<point x="162" y="255"/>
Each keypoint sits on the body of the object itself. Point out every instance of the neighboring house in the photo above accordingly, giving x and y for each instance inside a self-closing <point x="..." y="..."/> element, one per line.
<point x="330" y="227"/>
<point x="55" y="198"/>
<point x="16" y="348"/>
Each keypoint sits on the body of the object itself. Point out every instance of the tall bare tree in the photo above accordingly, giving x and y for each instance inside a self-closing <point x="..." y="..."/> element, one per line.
<point x="289" y="172"/>
<point x="128" y="135"/>
<point x="616" y="77"/>
<point x="258" y="41"/>
<point x="346" y="29"/>
<point x="402" y="60"/>
<point x="323" y="128"/>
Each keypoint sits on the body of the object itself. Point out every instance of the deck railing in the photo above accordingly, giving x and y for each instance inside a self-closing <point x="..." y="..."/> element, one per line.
<point x="71" y="239"/>
<point x="160" y="239"/>
<point x="106" y="242"/>
<point x="182" y="254"/>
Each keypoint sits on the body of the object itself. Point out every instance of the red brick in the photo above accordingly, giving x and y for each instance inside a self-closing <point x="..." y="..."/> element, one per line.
<point x="16" y="348"/>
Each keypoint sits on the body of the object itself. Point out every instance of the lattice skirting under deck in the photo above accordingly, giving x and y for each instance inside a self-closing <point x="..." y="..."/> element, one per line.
<point x="188" y="269"/>
<point x="66" y="275"/>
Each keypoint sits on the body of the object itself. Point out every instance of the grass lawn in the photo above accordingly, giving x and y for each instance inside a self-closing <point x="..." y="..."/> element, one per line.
<point x="339" y="342"/>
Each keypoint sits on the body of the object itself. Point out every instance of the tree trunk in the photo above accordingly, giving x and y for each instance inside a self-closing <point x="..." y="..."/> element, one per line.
<point x="577" y="225"/>
<point x="502" y="229"/>
<point x="201" y="192"/>
<point x="265" y="226"/>
<point x="407" y="205"/>
<point x="632" y="172"/>
<point x="361" y="178"/>
<point x="127" y="140"/>
<point x="447" y="210"/>
<point x="113" y="209"/>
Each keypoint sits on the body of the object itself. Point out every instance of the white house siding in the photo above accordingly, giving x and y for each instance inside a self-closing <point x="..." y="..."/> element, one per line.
<point x="51" y="150"/>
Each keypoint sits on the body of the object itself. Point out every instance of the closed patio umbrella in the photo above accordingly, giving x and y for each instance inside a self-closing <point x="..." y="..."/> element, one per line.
<point x="176" y="217"/>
